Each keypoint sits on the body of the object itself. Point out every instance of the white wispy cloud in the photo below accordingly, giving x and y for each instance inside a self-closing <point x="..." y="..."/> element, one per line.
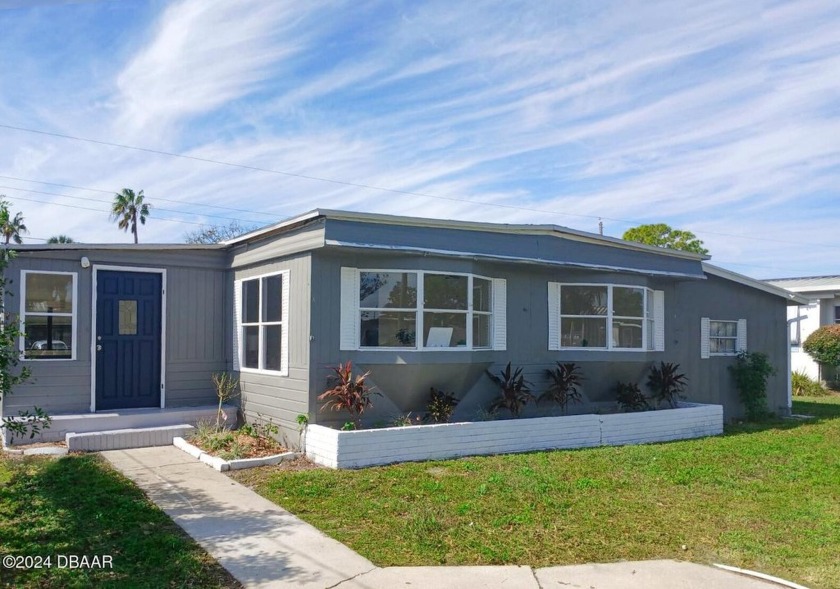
<point x="719" y="117"/>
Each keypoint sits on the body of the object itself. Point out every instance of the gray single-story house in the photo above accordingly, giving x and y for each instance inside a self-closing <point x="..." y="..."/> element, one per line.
<point x="130" y="329"/>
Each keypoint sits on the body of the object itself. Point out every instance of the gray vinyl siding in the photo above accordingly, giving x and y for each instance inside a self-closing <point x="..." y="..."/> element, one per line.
<point x="271" y="396"/>
<point x="404" y="377"/>
<point x="196" y="331"/>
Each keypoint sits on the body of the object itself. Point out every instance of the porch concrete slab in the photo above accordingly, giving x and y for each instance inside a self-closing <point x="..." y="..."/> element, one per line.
<point x="649" y="574"/>
<point x="444" y="577"/>
<point x="261" y="544"/>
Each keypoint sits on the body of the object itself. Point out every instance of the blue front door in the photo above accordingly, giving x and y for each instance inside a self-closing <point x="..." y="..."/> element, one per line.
<point x="128" y="339"/>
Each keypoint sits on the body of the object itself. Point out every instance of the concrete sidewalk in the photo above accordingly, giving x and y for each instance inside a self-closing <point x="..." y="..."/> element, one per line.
<point x="262" y="545"/>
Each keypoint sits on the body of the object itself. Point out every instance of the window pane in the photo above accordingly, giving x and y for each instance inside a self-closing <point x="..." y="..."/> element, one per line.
<point x="445" y="330"/>
<point x="649" y="334"/>
<point x="383" y="329"/>
<point x="628" y="302"/>
<point x="722" y="346"/>
<point x="481" y="331"/>
<point x="250" y="301"/>
<point x="627" y="333"/>
<point x="272" y="341"/>
<point x="482" y="294"/>
<point x="128" y="318"/>
<point x="443" y="291"/>
<point x="271" y="298"/>
<point x="395" y="290"/>
<point x="583" y="333"/>
<point x="251" y="346"/>
<point x="583" y="300"/>
<point x="49" y="293"/>
<point x="48" y="337"/>
<point x="723" y="328"/>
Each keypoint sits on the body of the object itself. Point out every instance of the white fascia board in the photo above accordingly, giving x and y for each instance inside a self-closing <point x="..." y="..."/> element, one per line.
<point x="502" y="258"/>
<point x="788" y="295"/>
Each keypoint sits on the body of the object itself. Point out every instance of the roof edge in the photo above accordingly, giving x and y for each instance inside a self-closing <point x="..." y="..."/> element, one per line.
<point x="466" y="225"/>
<point x="754" y="283"/>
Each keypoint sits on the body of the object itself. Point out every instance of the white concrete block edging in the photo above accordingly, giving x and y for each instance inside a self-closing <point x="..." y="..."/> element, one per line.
<point x="372" y="447"/>
<point x="223" y="465"/>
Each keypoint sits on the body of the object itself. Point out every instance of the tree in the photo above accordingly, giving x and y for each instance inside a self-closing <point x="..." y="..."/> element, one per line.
<point x="823" y="345"/>
<point x="217" y="233"/>
<point x="60" y="239"/>
<point x="11" y="227"/>
<point x="662" y="235"/>
<point x="127" y="209"/>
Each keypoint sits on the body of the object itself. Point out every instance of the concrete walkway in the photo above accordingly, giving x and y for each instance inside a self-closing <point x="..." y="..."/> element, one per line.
<point x="263" y="546"/>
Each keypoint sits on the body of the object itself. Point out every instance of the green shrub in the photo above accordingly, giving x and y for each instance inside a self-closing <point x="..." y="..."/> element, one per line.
<point x="803" y="385"/>
<point x="824" y="345"/>
<point x="751" y="371"/>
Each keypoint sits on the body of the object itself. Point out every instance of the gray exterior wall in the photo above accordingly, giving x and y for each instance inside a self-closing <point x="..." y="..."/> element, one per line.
<point x="404" y="377"/>
<point x="197" y="326"/>
<point x="265" y="396"/>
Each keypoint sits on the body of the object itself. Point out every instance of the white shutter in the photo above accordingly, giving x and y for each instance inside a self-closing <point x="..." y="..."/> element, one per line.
<point x="499" y="314"/>
<point x="704" y="337"/>
<point x="349" y="321"/>
<point x="553" y="316"/>
<point x="741" y="343"/>
<point x="237" y="323"/>
<point x="659" y="320"/>
<point x="284" y="317"/>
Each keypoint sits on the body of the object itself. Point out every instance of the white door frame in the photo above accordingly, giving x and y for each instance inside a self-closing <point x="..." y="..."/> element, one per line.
<point x="162" y="272"/>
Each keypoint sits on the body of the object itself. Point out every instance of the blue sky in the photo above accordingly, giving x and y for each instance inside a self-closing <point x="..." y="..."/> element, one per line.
<point x="718" y="117"/>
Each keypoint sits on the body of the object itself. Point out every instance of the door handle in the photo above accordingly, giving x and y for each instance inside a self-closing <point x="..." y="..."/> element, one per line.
<point x="98" y="348"/>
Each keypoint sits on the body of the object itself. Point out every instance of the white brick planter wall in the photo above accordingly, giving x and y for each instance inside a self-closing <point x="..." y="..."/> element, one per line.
<point x="360" y="448"/>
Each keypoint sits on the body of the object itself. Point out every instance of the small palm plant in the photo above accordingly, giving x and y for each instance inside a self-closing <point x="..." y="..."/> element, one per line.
<point x="563" y="388"/>
<point x="515" y="390"/>
<point x="440" y="407"/>
<point x="630" y="397"/>
<point x="666" y="383"/>
<point x="225" y="390"/>
<point x="351" y="394"/>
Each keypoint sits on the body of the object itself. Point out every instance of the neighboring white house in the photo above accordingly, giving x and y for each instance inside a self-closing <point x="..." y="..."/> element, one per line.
<point x="824" y="309"/>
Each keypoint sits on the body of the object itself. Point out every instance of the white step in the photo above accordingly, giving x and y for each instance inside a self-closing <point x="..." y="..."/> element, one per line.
<point x="120" y="439"/>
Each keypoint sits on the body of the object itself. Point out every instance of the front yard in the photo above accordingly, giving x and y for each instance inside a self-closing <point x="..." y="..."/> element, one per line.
<point x="79" y="506"/>
<point x="762" y="497"/>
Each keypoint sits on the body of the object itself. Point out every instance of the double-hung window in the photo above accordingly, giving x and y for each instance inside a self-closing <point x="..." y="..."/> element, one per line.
<point x="48" y="310"/>
<point x="262" y="323"/>
<point x="605" y="317"/>
<point x="421" y="310"/>
<point x="722" y="337"/>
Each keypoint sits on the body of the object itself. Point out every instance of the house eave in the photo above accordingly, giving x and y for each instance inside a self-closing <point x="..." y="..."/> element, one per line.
<point x="791" y="297"/>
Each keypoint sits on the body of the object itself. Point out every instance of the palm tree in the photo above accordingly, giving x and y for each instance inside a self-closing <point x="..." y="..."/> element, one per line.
<point x="11" y="227"/>
<point x="127" y="209"/>
<point x="61" y="239"/>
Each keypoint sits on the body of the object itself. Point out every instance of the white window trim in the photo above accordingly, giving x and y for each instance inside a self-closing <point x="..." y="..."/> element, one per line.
<point x="284" y="322"/>
<point x="418" y="346"/>
<point x="706" y="337"/>
<point x="648" y="322"/>
<point x="74" y="316"/>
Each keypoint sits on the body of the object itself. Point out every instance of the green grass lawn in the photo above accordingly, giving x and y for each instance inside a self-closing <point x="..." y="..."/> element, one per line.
<point x="78" y="505"/>
<point x="763" y="496"/>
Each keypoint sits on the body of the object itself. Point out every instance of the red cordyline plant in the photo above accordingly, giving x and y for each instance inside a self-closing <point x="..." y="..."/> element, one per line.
<point x="351" y="394"/>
